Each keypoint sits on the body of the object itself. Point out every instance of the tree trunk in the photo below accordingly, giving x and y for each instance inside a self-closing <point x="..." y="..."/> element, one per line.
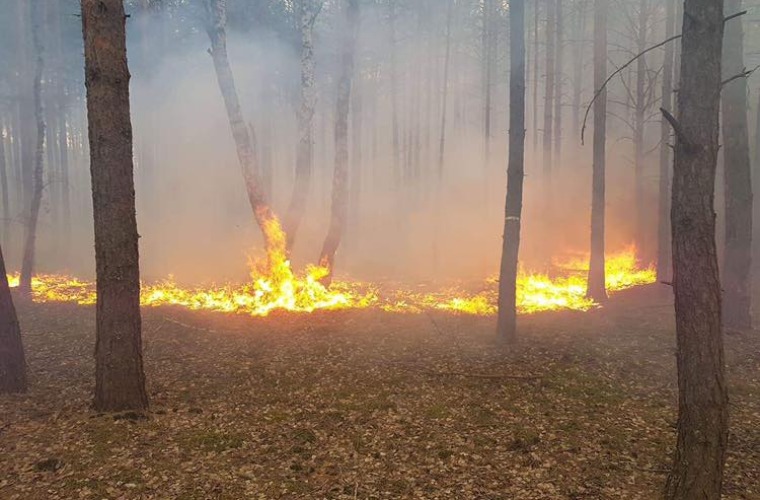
<point x="559" y="75"/>
<point x="638" y="135"/>
<point x="305" y="149"/>
<point x="12" y="362"/>
<point x="119" y="376"/>
<point x="596" y="275"/>
<point x="702" y="397"/>
<point x="340" y="176"/>
<point x="578" y="68"/>
<point x="444" y="103"/>
<point x="4" y="187"/>
<point x="536" y="76"/>
<point x="397" y="174"/>
<point x="30" y="240"/>
<point x="487" y="69"/>
<point x="507" y="317"/>
<point x="737" y="257"/>
<point x="664" y="251"/>
<point x="549" y="89"/>
<point x="217" y="16"/>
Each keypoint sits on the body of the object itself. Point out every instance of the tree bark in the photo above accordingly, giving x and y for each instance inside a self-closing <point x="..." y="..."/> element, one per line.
<point x="119" y="376"/>
<point x="596" y="275"/>
<point x="506" y="325"/>
<point x="217" y="18"/>
<point x="737" y="257"/>
<point x="664" y="251"/>
<point x="340" y="176"/>
<point x="559" y="75"/>
<point x="578" y="68"/>
<point x="30" y="239"/>
<point x="536" y="76"/>
<point x="309" y="10"/>
<point x="702" y="397"/>
<point x="12" y="362"/>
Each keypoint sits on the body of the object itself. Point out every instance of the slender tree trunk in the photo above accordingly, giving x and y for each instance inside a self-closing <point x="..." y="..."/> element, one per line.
<point x="12" y="362"/>
<point x="638" y="136"/>
<point x="340" y="176"/>
<point x="737" y="257"/>
<point x="549" y="89"/>
<point x="309" y="10"/>
<point x="217" y="15"/>
<point x="559" y="76"/>
<point x="444" y="103"/>
<point x="664" y="251"/>
<point x="119" y="376"/>
<point x="357" y="163"/>
<point x="487" y="69"/>
<point x="397" y="174"/>
<point x="4" y="187"/>
<point x="30" y="240"/>
<point x="702" y="397"/>
<point x="507" y="317"/>
<point x="596" y="274"/>
<point x="578" y="67"/>
<point x="536" y="75"/>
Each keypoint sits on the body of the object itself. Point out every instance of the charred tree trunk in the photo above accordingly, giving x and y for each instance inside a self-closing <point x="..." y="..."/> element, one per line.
<point x="444" y="103"/>
<point x="119" y="376"/>
<point x="340" y="176"/>
<point x="549" y="89"/>
<point x="30" y="240"/>
<point x="596" y="275"/>
<point x="12" y="362"/>
<point x="737" y="257"/>
<point x="506" y="326"/>
<point x="702" y="397"/>
<point x="664" y="251"/>
<point x="305" y="149"/>
<point x="217" y="17"/>
<point x="559" y="75"/>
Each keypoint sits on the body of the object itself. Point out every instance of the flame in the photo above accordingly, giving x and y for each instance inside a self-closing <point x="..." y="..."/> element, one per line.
<point x="275" y="286"/>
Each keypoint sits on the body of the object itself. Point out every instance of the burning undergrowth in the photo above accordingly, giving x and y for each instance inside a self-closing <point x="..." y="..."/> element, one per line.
<point x="275" y="285"/>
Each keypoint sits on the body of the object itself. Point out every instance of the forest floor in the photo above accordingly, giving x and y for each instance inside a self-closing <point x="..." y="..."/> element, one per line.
<point x="366" y="404"/>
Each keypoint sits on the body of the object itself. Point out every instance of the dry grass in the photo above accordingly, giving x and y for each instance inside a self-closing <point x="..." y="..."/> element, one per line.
<point x="364" y="404"/>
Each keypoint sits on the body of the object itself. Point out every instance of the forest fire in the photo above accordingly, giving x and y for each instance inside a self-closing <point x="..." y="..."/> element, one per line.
<point x="275" y="286"/>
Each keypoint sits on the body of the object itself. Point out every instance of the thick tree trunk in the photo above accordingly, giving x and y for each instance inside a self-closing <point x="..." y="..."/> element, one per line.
<point x="217" y="17"/>
<point x="549" y="88"/>
<point x="339" y="210"/>
<point x="702" y="397"/>
<point x="664" y="251"/>
<point x="559" y="76"/>
<point x="506" y="325"/>
<point x="119" y="376"/>
<point x="30" y="239"/>
<point x="444" y="103"/>
<point x="12" y="362"/>
<point x="596" y="275"/>
<point x="305" y="149"/>
<point x="737" y="257"/>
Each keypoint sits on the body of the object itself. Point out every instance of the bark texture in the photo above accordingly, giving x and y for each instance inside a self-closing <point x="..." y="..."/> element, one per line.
<point x="119" y="376"/>
<point x="596" y="275"/>
<point x="30" y="238"/>
<point x="702" y="398"/>
<point x="339" y="210"/>
<point x="12" y="362"/>
<point x="506" y="325"/>
<point x="549" y="85"/>
<point x="737" y="257"/>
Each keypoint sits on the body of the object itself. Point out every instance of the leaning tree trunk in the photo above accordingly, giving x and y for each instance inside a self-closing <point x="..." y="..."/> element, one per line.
<point x="702" y="397"/>
<point x="340" y="176"/>
<point x="305" y="148"/>
<point x="596" y="275"/>
<point x="506" y="326"/>
<point x="664" y="252"/>
<point x="737" y="258"/>
<point x="12" y="362"/>
<point x="119" y="376"/>
<point x="217" y="22"/>
<point x="30" y="240"/>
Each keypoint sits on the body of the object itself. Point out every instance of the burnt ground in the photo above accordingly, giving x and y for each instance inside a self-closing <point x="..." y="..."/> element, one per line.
<point x="366" y="404"/>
